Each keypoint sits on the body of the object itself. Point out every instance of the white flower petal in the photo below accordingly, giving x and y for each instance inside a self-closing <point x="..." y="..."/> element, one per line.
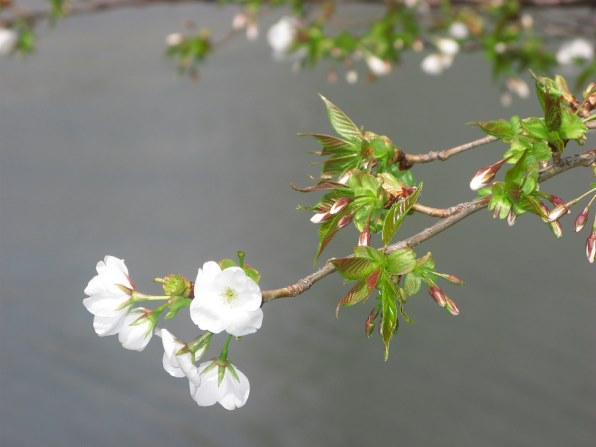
<point x="231" y="394"/>
<point x="135" y="336"/>
<point x="245" y="323"/>
<point x="105" y="326"/>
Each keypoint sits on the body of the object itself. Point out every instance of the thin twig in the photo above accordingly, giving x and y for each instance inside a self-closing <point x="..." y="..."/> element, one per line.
<point x="447" y="153"/>
<point x="459" y="212"/>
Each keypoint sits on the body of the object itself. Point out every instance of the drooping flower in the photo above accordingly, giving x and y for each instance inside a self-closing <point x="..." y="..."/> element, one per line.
<point x="574" y="50"/>
<point x="179" y="364"/>
<point x="231" y="393"/>
<point x="518" y="86"/>
<point x="226" y="300"/>
<point x="8" y="41"/>
<point x="109" y="295"/>
<point x="136" y="330"/>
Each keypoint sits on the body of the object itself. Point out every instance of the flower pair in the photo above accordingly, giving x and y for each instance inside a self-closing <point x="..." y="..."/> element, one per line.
<point x="212" y="381"/>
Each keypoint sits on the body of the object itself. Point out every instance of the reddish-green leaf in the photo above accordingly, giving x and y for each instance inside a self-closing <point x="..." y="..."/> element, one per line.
<point x="397" y="214"/>
<point x="319" y="187"/>
<point x="500" y="129"/>
<point x="389" y="318"/>
<point x="353" y="268"/>
<point x="360" y="291"/>
<point x="330" y="143"/>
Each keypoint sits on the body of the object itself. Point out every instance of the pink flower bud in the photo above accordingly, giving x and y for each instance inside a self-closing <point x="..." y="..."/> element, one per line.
<point x="556" y="200"/>
<point x="369" y="324"/>
<point x="580" y="220"/>
<point x="485" y="175"/>
<point x="320" y="217"/>
<point x="454" y="279"/>
<point x="340" y="205"/>
<point x="557" y="212"/>
<point x="437" y="295"/>
<point x="345" y="220"/>
<point x="451" y="307"/>
<point x="511" y="218"/>
<point x="591" y="247"/>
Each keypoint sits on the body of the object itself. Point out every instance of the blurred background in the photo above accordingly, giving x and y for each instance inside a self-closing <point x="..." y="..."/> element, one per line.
<point x="103" y="150"/>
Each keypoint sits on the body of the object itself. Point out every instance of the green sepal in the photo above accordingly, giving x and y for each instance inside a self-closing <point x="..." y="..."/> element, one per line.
<point x="233" y="372"/>
<point x="252" y="273"/>
<point x="397" y="214"/>
<point x="341" y="123"/>
<point x="225" y="263"/>
<point x="221" y="372"/>
<point x="175" y="304"/>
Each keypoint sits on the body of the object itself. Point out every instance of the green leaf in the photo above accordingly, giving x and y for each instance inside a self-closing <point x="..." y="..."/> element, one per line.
<point x="353" y="268"/>
<point x="360" y="291"/>
<point x="552" y="111"/>
<point x="401" y="261"/>
<point x="412" y="283"/>
<point x="341" y="123"/>
<point x="397" y="214"/>
<point x="388" y="318"/>
<point x="500" y="129"/>
<point x="572" y="127"/>
<point x="535" y="127"/>
<point x="327" y="231"/>
<point x="370" y="253"/>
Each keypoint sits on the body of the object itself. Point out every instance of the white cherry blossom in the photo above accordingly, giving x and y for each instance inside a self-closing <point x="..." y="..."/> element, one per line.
<point x="179" y="365"/>
<point x="435" y="63"/>
<point x="135" y="336"/>
<point x="226" y="300"/>
<point x="458" y="30"/>
<point x="281" y="35"/>
<point x="448" y="47"/>
<point x="109" y="295"/>
<point x="231" y="393"/>
<point x="378" y="66"/>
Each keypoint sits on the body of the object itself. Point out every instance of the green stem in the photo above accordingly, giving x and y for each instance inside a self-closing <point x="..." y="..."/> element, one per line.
<point x="574" y="201"/>
<point x="138" y="297"/>
<point x="223" y="357"/>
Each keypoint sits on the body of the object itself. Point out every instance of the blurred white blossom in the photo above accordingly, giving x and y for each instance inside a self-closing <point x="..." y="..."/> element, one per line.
<point x="573" y="50"/>
<point x="179" y="365"/>
<point x="351" y="76"/>
<point x="458" y="30"/>
<point x="378" y="66"/>
<point x="435" y="63"/>
<point x="226" y="300"/>
<point x="281" y="35"/>
<point x="518" y="86"/>
<point x="448" y="47"/>
<point x="8" y="41"/>
<point x="174" y="39"/>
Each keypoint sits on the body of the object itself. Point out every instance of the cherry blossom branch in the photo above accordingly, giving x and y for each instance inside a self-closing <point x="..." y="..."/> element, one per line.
<point x="456" y="213"/>
<point x="96" y="6"/>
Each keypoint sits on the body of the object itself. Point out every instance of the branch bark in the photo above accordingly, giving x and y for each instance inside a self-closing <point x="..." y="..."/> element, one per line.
<point x="457" y="213"/>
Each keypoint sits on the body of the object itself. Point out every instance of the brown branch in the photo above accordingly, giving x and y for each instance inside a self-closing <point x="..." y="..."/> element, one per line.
<point x="458" y="212"/>
<point x="447" y="153"/>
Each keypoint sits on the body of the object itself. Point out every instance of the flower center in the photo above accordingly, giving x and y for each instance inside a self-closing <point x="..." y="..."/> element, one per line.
<point x="229" y="294"/>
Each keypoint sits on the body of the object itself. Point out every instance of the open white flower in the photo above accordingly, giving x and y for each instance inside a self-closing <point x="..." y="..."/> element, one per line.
<point x="8" y="41"/>
<point x="281" y="35"/>
<point x="135" y="336"/>
<point x="109" y="294"/>
<point x="447" y="46"/>
<point x="231" y="393"/>
<point x="458" y="30"/>
<point x="573" y="50"/>
<point x="179" y="365"/>
<point x="226" y="300"/>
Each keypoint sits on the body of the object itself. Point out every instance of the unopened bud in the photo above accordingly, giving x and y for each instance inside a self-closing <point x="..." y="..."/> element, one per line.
<point x="591" y="247"/>
<point x="320" y="217"/>
<point x="345" y="220"/>
<point x="557" y="229"/>
<point x="344" y="178"/>
<point x="557" y="212"/>
<point x="453" y="279"/>
<point x="451" y="307"/>
<point x="485" y="175"/>
<point x="437" y="295"/>
<point x="369" y="324"/>
<point x="340" y="205"/>
<point x="176" y="285"/>
<point x="556" y="200"/>
<point x="580" y="220"/>
<point x="511" y="218"/>
<point x="364" y="238"/>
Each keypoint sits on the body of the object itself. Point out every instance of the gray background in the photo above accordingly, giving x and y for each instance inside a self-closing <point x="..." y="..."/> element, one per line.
<point x="104" y="151"/>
